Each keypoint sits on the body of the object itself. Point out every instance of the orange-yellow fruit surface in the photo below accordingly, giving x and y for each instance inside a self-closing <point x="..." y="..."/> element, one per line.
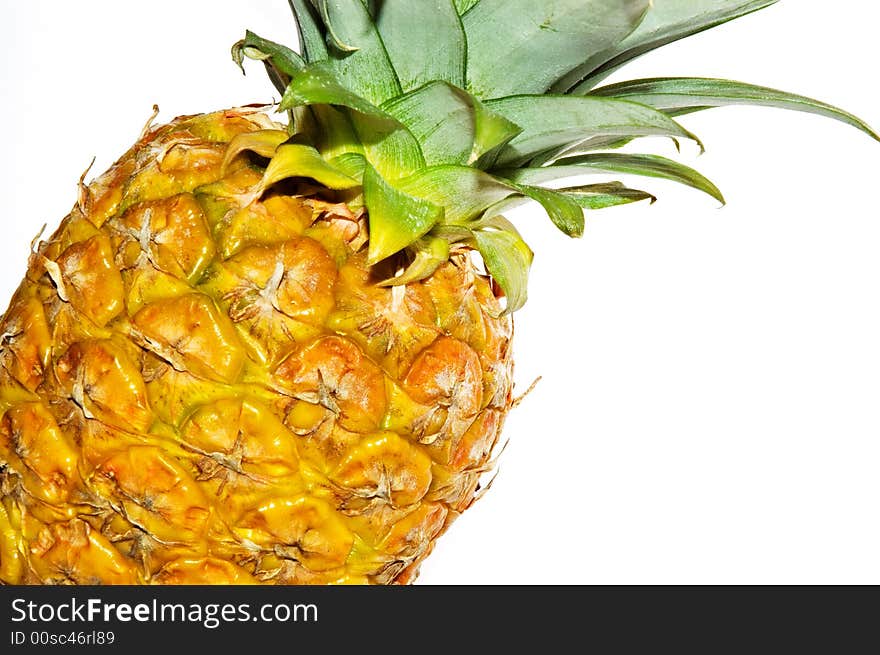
<point x="199" y="387"/>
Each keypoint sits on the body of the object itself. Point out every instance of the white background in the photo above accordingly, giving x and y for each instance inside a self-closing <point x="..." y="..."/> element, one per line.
<point x="709" y="405"/>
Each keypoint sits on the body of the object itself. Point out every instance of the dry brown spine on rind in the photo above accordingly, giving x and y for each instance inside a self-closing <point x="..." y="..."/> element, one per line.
<point x="197" y="391"/>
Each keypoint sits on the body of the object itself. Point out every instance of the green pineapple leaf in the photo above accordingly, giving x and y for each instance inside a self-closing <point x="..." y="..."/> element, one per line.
<point x="392" y="150"/>
<point x="281" y="62"/>
<point x="317" y="84"/>
<point x="334" y="134"/>
<point x="665" y="22"/>
<point x="609" y="194"/>
<point x="463" y="191"/>
<point x="308" y="27"/>
<point x="574" y="120"/>
<point x="325" y="7"/>
<point x="591" y="144"/>
<point x="428" y="254"/>
<point x="396" y="218"/>
<point x="565" y="213"/>
<point x="387" y="143"/>
<point x="524" y="46"/>
<point x="507" y="258"/>
<point x="262" y="142"/>
<point x="296" y="160"/>
<point x="492" y="133"/>
<point x="380" y="93"/>
<point x="607" y="162"/>
<point x="352" y="164"/>
<point x="407" y="27"/>
<point x="684" y="95"/>
<point x="467" y="193"/>
<point x="440" y="119"/>
<point x="451" y="126"/>
<point x="463" y="6"/>
<point x="358" y="59"/>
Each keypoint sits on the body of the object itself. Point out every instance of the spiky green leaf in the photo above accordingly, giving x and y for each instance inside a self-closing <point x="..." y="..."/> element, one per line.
<point x="575" y="120"/>
<point x="451" y="126"/>
<point x="281" y="62"/>
<point x="507" y="257"/>
<point x="463" y="192"/>
<point x="309" y="28"/>
<point x="429" y="254"/>
<point x="440" y="119"/>
<point x="358" y="59"/>
<point x="333" y="25"/>
<point x="352" y="164"/>
<point x="565" y="213"/>
<point x="317" y="84"/>
<point x="388" y="144"/>
<point x="602" y="196"/>
<point x="262" y="142"/>
<point x="463" y="6"/>
<point x="592" y="144"/>
<point x="607" y="162"/>
<point x="407" y="28"/>
<point x="685" y="95"/>
<point x="665" y="22"/>
<point x="524" y="46"/>
<point x="334" y="134"/>
<point x="390" y="148"/>
<point x="492" y="133"/>
<point x="397" y="219"/>
<point x="296" y="160"/>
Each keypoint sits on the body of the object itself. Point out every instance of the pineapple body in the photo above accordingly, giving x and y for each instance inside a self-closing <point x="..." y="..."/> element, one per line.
<point x="201" y="385"/>
<point x="215" y="372"/>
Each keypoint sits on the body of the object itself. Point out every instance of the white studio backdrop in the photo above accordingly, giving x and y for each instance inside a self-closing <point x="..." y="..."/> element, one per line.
<point x="708" y="411"/>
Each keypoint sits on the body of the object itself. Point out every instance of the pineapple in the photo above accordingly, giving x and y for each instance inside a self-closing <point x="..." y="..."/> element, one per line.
<point x="259" y="351"/>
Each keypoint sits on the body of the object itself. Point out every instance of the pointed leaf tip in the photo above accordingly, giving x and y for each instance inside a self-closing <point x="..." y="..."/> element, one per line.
<point x="566" y="214"/>
<point x="507" y="257"/>
<point x="262" y="142"/>
<point x="397" y="219"/>
<point x="676" y="96"/>
<point x="605" y="195"/>
<point x="619" y="163"/>
<point x="297" y="160"/>
<point x="429" y="255"/>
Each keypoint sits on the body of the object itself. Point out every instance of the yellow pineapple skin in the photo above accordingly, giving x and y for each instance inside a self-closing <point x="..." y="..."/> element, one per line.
<point x="198" y="388"/>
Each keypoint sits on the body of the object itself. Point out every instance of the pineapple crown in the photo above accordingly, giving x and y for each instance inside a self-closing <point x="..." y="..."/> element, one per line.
<point x="440" y="115"/>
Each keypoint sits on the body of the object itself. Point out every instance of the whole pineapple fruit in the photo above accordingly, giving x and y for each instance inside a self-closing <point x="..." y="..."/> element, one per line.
<point x="257" y="352"/>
